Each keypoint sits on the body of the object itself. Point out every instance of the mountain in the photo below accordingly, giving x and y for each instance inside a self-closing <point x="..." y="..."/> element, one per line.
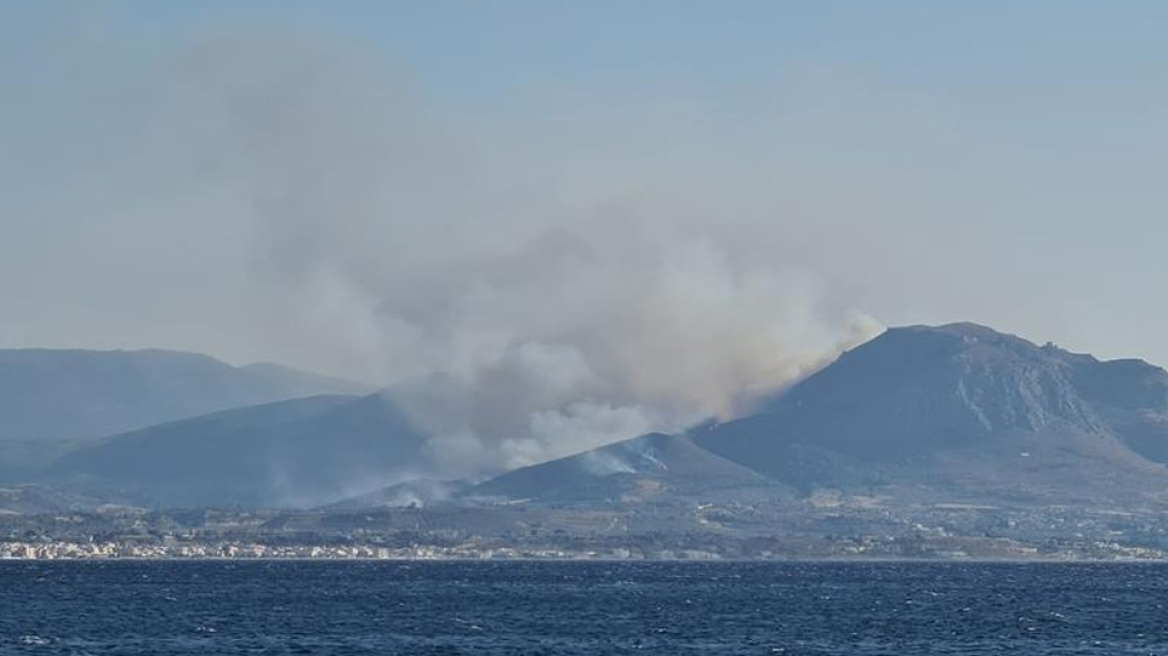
<point x="963" y="412"/>
<point x="652" y="467"/>
<point x="81" y="395"/>
<point x="302" y="452"/>
<point x="956" y="414"/>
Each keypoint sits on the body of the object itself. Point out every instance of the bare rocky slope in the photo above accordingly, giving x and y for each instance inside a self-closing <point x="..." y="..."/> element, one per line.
<point x="964" y="412"/>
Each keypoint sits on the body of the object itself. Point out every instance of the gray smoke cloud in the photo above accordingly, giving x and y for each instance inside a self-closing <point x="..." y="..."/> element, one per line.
<point x="514" y="319"/>
<point x="523" y="293"/>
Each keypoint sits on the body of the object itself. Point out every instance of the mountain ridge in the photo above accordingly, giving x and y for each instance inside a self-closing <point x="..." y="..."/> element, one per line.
<point x="957" y="412"/>
<point x="958" y="389"/>
<point x="82" y="394"/>
<point x="293" y="453"/>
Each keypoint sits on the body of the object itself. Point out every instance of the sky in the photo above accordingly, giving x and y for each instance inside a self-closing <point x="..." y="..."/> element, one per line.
<point x="321" y="183"/>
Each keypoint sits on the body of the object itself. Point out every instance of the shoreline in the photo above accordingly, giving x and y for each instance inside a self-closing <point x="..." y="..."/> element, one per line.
<point x="599" y="560"/>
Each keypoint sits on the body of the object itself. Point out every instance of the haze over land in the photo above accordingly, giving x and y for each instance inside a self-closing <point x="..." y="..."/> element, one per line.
<point x="920" y="415"/>
<point x="616" y="268"/>
<point x="951" y="441"/>
<point x="542" y="250"/>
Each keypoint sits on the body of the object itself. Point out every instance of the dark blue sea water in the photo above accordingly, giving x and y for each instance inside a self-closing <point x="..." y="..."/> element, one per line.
<point x="580" y="608"/>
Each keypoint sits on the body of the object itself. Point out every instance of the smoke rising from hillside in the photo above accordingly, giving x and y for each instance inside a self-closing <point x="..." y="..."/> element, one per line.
<point x="513" y="318"/>
<point x="524" y="292"/>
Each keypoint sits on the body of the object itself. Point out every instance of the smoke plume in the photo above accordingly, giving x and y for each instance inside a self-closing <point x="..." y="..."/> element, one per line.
<point x="513" y="318"/>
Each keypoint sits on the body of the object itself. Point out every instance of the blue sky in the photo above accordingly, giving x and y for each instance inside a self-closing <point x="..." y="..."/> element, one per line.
<point x="925" y="161"/>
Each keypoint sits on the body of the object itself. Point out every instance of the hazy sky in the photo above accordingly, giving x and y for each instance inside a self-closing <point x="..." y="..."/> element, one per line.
<point x="255" y="180"/>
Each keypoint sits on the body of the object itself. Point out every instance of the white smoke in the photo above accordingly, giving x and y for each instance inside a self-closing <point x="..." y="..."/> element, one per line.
<point x="582" y="338"/>
<point x="515" y="315"/>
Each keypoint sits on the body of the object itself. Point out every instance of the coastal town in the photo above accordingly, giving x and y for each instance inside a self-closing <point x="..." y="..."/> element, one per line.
<point x="873" y="549"/>
<point x="935" y="534"/>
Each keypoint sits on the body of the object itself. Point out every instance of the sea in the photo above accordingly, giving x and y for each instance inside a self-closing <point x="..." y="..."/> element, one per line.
<point x="542" y="607"/>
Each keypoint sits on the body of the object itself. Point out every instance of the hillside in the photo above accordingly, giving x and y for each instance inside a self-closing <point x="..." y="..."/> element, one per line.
<point x="295" y="453"/>
<point x="919" y="416"/>
<point x="654" y="467"/>
<point x="81" y="395"/>
<point x="956" y="414"/>
<point x="963" y="412"/>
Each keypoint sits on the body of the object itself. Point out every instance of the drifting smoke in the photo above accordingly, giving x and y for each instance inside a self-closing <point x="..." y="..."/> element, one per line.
<point x="511" y="315"/>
